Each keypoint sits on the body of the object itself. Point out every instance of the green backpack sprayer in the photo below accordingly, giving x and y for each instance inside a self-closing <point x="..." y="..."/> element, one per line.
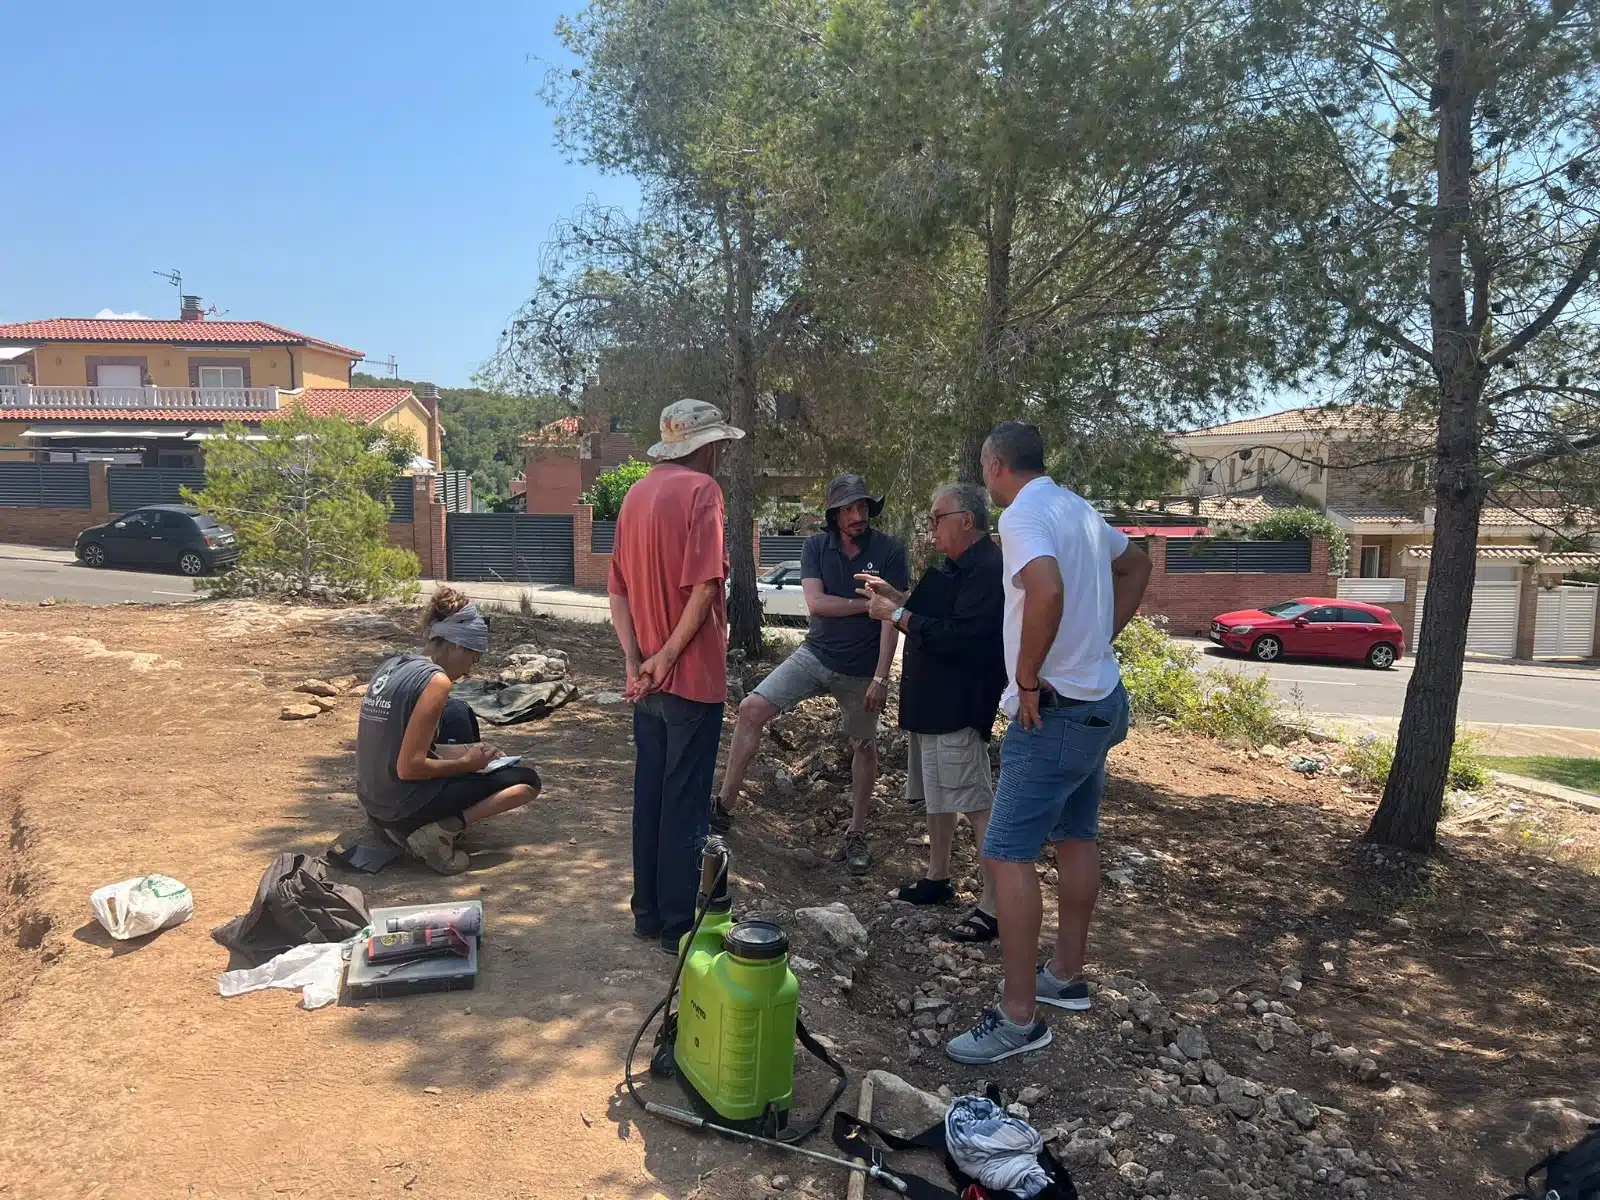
<point x="730" y="1040"/>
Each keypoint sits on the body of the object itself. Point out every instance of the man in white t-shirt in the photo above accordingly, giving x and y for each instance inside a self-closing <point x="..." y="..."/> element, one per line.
<point x="1072" y="582"/>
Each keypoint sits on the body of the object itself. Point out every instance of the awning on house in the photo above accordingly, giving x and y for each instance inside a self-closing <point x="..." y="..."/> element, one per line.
<point x="1164" y="530"/>
<point x="90" y="431"/>
<point x="205" y="435"/>
<point x="7" y="353"/>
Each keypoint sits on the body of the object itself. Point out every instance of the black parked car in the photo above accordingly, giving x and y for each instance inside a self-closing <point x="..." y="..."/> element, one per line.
<point x="160" y="535"/>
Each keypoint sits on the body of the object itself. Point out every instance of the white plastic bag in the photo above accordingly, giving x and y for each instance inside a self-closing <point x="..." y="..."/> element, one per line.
<point x="142" y="905"/>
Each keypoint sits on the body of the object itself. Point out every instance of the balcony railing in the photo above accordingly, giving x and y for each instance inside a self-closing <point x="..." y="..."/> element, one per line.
<point x="139" y="399"/>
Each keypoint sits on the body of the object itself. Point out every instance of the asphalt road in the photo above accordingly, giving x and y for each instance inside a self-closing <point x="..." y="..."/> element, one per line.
<point x="31" y="575"/>
<point x="1491" y="693"/>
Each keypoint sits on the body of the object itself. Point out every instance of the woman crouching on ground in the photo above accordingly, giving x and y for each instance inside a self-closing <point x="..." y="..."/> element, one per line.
<point x="424" y="795"/>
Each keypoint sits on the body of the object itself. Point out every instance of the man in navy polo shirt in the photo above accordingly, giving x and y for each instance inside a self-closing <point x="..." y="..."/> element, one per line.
<point x="846" y="654"/>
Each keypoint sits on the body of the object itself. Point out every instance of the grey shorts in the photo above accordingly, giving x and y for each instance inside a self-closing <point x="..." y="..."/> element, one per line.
<point x="800" y="677"/>
<point x="949" y="772"/>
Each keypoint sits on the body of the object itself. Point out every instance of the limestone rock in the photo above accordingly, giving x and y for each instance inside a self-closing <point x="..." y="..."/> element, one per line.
<point x="897" y="1105"/>
<point x="323" y="703"/>
<point x="317" y="687"/>
<point x="1231" y="1094"/>
<point x="299" y="712"/>
<point x="1302" y="1110"/>
<point x="836" y="923"/>
<point x="1192" y="1041"/>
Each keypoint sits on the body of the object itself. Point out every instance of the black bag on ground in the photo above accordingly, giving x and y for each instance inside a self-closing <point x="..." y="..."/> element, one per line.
<point x="852" y="1135"/>
<point x="294" y="904"/>
<point x="458" y="724"/>
<point x="1568" y="1174"/>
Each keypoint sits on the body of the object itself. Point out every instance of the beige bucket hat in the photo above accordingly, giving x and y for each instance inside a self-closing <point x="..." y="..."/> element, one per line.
<point x="686" y="425"/>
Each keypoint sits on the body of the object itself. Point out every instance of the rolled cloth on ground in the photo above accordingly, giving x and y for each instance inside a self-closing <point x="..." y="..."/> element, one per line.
<point x="465" y="627"/>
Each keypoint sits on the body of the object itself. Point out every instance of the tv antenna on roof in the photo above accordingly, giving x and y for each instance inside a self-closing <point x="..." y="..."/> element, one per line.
<point x="389" y="365"/>
<point x="175" y="278"/>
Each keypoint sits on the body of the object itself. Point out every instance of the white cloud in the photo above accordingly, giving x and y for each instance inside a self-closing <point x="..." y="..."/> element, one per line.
<point x="106" y="314"/>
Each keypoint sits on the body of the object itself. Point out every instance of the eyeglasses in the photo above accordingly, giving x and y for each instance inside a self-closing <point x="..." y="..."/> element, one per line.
<point x="936" y="517"/>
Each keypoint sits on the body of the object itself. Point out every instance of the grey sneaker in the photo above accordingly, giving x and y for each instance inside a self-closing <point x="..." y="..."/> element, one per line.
<point x="1072" y="995"/>
<point x="995" y="1037"/>
<point x="435" y="845"/>
<point x="854" y="853"/>
<point x="1047" y="989"/>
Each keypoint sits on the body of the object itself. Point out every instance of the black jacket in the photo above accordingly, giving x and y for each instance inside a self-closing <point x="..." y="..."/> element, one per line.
<point x="953" y="669"/>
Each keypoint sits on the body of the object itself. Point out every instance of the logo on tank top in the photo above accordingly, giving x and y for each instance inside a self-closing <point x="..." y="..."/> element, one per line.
<point x="378" y="684"/>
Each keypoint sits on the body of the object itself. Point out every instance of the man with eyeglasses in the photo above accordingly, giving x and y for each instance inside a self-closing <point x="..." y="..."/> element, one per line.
<point x="952" y="673"/>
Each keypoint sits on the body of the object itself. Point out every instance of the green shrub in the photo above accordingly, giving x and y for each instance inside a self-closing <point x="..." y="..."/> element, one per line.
<point x="1236" y="707"/>
<point x="1167" y="683"/>
<point x="609" y="487"/>
<point x="1371" y="758"/>
<point x="1162" y="677"/>
<point x="308" y="498"/>
<point x="1287" y="523"/>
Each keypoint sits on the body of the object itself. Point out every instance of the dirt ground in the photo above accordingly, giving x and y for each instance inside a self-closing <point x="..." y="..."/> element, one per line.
<point x="1443" y="1022"/>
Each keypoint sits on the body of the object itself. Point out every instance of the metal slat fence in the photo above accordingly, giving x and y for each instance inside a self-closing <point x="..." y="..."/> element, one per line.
<point x="44" y="485"/>
<point x="1201" y="555"/>
<point x="510" y="547"/>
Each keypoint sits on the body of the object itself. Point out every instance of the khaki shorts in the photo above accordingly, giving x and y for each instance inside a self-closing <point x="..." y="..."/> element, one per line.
<point x="801" y="676"/>
<point x="949" y="772"/>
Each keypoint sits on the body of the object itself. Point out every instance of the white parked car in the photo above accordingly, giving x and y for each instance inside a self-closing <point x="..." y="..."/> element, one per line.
<point x="779" y="591"/>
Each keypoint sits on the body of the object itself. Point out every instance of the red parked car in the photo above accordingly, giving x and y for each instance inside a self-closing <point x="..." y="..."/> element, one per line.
<point x="1313" y="627"/>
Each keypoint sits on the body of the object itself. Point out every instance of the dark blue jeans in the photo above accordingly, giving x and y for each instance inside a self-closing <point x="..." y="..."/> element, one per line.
<point x="675" y="743"/>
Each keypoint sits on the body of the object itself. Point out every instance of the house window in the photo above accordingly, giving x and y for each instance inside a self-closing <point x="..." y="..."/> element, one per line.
<point x="10" y="375"/>
<point x="222" y="377"/>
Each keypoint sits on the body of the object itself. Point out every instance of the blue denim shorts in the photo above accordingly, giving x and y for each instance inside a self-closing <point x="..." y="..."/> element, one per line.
<point x="1052" y="777"/>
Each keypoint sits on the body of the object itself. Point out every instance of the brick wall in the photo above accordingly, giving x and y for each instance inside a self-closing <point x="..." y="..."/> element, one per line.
<point x="554" y="476"/>
<point x="58" y="527"/>
<point x="1190" y="600"/>
<point x="424" y="535"/>
<point x="590" y="571"/>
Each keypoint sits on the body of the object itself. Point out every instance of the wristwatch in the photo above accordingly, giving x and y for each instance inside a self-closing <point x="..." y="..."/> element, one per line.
<point x="894" y="617"/>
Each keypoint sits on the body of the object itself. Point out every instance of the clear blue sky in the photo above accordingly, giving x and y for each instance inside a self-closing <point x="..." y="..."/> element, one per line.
<point x="381" y="175"/>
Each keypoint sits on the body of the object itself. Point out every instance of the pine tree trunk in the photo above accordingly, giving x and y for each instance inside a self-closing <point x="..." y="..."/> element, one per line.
<point x="744" y="608"/>
<point x="1413" y="798"/>
<point x="988" y="385"/>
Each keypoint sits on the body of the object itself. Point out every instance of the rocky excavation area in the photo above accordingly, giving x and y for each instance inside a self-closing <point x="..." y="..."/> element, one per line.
<point x="1279" y="1009"/>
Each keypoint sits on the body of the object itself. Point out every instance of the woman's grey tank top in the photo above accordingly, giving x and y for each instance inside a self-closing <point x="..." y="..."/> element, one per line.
<point x="385" y="712"/>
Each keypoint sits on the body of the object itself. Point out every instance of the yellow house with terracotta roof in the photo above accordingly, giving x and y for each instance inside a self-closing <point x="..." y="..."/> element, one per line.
<point x="152" y="392"/>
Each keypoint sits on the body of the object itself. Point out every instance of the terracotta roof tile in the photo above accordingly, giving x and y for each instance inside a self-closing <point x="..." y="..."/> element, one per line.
<point x="189" y="333"/>
<point x="567" y="429"/>
<point x="1314" y="419"/>
<point x="365" y="404"/>
<point x="1528" y="554"/>
<point x="1247" y="507"/>
<point x="1576" y="520"/>
<point x="1375" y="511"/>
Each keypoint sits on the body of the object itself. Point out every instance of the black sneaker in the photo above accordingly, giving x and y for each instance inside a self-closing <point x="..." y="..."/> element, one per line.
<point x="721" y="818"/>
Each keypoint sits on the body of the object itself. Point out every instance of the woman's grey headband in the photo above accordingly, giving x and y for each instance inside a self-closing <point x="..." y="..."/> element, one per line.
<point x="465" y="627"/>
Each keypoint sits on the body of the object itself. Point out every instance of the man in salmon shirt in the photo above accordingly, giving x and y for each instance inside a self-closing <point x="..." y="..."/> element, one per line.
<point x="668" y="569"/>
